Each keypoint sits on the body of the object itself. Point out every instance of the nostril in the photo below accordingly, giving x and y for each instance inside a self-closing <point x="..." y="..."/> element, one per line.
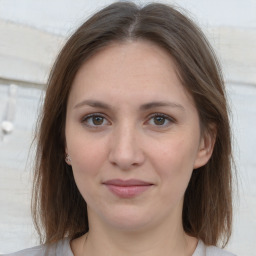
<point x="128" y="160"/>
<point x="126" y="149"/>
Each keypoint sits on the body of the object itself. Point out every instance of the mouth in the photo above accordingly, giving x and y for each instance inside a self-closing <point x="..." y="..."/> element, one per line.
<point x="127" y="188"/>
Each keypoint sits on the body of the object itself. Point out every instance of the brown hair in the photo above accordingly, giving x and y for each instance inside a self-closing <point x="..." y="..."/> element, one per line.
<point x="59" y="210"/>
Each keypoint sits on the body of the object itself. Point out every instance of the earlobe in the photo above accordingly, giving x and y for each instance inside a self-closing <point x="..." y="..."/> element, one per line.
<point x="206" y="147"/>
<point x="67" y="158"/>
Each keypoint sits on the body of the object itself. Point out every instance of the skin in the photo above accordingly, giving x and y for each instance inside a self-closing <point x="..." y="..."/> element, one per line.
<point x="127" y="141"/>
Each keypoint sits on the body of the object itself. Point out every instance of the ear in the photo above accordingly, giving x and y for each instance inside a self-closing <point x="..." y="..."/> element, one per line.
<point x="206" y="146"/>
<point x="67" y="157"/>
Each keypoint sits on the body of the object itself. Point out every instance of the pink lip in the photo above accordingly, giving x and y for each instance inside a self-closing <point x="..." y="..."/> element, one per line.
<point x="127" y="188"/>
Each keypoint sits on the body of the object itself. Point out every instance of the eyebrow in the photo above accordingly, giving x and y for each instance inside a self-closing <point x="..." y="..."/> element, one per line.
<point x="146" y="106"/>
<point x="93" y="103"/>
<point x="161" y="104"/>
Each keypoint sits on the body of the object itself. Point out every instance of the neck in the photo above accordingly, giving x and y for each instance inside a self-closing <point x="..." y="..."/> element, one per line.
<point x="160" y="240"/>
<point x="141" y="245"/>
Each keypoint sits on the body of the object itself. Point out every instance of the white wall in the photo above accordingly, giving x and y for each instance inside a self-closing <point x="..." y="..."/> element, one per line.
<point x="33" y="31"/>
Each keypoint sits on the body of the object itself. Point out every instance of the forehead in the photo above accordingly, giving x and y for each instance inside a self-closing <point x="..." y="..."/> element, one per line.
<point x="129" y="69"/>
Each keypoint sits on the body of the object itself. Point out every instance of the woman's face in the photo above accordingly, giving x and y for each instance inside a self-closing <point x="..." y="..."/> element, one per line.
<point x="133" y="136"/>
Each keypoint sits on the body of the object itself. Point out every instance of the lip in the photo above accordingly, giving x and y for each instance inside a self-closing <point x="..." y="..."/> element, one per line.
<point x="127" y="188"/>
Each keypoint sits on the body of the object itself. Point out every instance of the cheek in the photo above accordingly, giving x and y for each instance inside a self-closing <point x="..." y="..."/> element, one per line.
<point x="174" y="162"/>
<point x="175" y="154"/>
<point x="87" y="161"/>
<point x="84" y="150"/>
<point x="87" y="158"/>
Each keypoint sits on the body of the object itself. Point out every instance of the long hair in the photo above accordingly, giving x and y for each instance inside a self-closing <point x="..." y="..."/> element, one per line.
<point x="58" y="208"/>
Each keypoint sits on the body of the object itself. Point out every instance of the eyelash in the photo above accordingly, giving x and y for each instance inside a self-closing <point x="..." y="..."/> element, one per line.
<point x="166" y="117"/>
<point x="87" y="117"/>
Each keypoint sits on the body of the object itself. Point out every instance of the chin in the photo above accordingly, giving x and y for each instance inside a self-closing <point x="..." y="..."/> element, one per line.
<point x="129" y="220"/>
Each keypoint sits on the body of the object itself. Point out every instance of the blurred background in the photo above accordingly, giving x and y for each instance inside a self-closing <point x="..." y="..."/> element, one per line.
<point x="32" y="33"/>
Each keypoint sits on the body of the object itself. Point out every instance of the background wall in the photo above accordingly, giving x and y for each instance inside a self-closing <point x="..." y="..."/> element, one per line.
<point x="32" y="33"/>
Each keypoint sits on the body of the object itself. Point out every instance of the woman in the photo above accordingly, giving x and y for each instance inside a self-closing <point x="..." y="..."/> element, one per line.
<point x="134" y="145"/>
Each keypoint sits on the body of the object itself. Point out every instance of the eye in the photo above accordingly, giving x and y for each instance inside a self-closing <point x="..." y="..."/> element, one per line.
<point x="159" y="119"/>
<point x="95" y="120"/>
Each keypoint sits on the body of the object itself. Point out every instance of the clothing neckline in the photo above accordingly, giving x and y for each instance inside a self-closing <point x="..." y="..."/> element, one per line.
<point x="68" y="251"/>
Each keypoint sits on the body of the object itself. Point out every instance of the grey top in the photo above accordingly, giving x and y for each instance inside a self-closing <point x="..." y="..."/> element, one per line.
<point x="62" y="248"/>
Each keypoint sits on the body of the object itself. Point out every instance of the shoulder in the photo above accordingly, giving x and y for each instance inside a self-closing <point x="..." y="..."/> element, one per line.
<point x="61" y="248"/>
<point x="34" y="251"/>
<point x="203" y="250"/>
<point x="215" y="251"/>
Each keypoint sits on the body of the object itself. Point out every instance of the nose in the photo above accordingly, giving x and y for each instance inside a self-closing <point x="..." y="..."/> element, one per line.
<point x="126" y="150"/>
